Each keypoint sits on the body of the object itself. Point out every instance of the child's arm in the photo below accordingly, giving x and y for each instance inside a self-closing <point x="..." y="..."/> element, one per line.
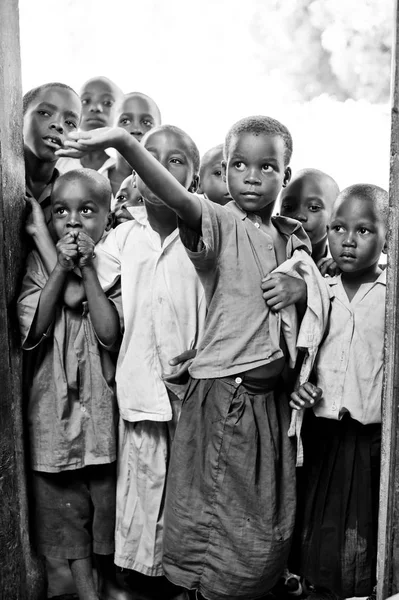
<point x="67" y="252"/>
<point x="103" y="315"/>
<point x="36" y="227"/>
<point x="185" y="204"/>
<point x="281" y="290"/>
<point x="306" y="396"/>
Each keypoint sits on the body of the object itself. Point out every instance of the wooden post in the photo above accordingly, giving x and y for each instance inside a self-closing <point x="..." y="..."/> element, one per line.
<point x="388" y="542"/>
<point x="20" y="573"/>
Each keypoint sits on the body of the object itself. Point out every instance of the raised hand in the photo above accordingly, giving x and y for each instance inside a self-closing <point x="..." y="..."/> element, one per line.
<point x="306" y="396"/>
<point x="35" y="220"/>
<point x="67" y="251"/>
<point x="85" y="249"/>
<point x="79" y="143"/>
<point x="328" y="266"/>
<point x="281" y="290"/>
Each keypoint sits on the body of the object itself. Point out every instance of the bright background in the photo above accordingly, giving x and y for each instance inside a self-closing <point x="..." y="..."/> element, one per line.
<point x="319" y="66"/>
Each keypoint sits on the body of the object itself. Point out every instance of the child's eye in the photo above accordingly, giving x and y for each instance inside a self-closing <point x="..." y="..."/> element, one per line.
<point x="85" y="101"/>
<point x="60" y="211"/>
<point x="86" y="211"/>
<point x="108" y="103"/>
<point x="124" y="122"/>
<point x="44" y="113"/>
<point x="337" y="228"/>
<point x="364" y="230"/>
<point x="147" y="123"/>
<point x="71" y="124"/>
<point x="267" y="168"/>
<point x="287" y="208"/>
<point x="314" y="208"/>
<point x="176" y="161"/>
<point x="121" y="198"/>
<point x="239" y="165"/>
<point x="218" y="173"/>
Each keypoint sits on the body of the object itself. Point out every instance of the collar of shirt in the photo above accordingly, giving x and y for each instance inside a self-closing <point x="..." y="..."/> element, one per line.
<point x="337" y="280"/>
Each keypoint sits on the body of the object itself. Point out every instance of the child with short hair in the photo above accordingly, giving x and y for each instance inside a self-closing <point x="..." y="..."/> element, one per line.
<point x="164" y="311"/>
<point x="336" y="541"/>
<point x="100" y="98"/>
<point x="127" y="197"/>
<point x="211" y="182"/>
<point x="309" y="198"/>
<point x="50" y="111"/>
<point x="230" y="502"/>
<point x="72" y="412"/>
<point x="138" y="114"/>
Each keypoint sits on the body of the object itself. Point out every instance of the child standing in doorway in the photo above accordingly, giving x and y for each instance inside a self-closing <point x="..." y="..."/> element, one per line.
<point x="230" y="501"/>
<point x="338" y="488"/>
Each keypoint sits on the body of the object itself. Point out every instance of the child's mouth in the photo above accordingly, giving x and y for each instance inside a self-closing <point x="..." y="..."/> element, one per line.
<point x="53" y="141"/>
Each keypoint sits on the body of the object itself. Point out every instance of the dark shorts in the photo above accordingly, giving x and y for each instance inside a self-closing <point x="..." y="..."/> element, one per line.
<point x="74" y="511"/>
<point x="230" y="497"/>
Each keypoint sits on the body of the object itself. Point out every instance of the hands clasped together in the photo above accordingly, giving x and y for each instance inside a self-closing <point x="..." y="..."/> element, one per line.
<point x="75" y="249"/>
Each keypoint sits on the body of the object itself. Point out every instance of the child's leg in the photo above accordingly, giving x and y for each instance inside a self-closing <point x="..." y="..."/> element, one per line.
<point x="82" y="572"/>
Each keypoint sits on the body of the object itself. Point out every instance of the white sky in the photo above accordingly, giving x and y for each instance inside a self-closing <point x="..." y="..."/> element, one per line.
<point x="198" y="60"/>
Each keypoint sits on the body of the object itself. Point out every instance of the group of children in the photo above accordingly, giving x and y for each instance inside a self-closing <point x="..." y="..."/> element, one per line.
<point x="176" y="330"/>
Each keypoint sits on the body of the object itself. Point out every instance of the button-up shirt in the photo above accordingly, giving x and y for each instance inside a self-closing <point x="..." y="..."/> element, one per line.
<point x="233" y="256"/>
<point x="72" y="411"/>
<point x="349" y="365"/>
<point x="164" y="311"/>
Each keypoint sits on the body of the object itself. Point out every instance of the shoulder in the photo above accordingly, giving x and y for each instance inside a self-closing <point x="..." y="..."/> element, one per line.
<point x="293" y="231"/>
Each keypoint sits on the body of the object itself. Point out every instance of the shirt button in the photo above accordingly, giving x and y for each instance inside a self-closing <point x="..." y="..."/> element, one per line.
<point x="238" y="380"/>
<point x="270" y="246"/>
<point x="83" y="408"/>
<point x="257" y="225"/>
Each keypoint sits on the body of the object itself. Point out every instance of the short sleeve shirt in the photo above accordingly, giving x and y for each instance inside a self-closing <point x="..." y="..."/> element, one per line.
<point x="234" y="255"/>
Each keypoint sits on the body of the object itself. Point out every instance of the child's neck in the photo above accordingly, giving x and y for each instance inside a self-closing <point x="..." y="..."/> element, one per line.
<point x="38" y="173"/>
<point x="319" y="250"/>
<point x="118" y="173"/>
<point x="162" y="219"/>
<point x="353" y="281"/>
<point x="94" y="160"/>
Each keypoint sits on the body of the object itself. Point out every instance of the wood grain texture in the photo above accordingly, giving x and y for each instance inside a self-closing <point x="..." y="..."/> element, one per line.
<point x="21" y="576"/>
<point x="388" y="542"/>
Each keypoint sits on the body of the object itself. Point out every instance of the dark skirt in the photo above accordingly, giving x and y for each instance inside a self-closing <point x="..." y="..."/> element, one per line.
<point x="335" y="543"/>
<point x="230" y="499"/>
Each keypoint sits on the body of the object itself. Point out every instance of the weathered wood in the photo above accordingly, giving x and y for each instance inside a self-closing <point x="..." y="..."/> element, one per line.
<point x="388" y="543"/>
<point x="20" y="574"/>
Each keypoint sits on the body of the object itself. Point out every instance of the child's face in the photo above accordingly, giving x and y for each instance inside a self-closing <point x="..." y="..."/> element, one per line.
<point x="255" y="170"/>
<point x="99" y="105"/>
<point x="309" y="201"/>
<point x="212" y="183"/>
<point x="127" y="196"/>
<point x="356" y="235"/>
<point x="138" y="115"/>
<point x="52" y="115"/>
<point x="77" y="207"/>
<point x="171" y="150"/>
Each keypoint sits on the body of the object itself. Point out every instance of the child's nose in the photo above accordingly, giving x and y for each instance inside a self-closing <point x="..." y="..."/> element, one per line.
<point x="349" y="239"/>
<point x="74" y="221"/>
<point x="252" y="177"/>
<point x="96" y="107"/>
<point x="57" y="125"/>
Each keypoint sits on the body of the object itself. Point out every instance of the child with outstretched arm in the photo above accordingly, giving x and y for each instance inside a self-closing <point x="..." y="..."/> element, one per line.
<point x="230" y="503"/>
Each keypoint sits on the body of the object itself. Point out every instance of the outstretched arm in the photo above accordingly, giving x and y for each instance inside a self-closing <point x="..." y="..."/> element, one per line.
<point x="185" y="204"/>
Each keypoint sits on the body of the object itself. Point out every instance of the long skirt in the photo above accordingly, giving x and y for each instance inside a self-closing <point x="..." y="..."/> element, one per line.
<point x="230" y="498"/>
<point x="335" y="544"/>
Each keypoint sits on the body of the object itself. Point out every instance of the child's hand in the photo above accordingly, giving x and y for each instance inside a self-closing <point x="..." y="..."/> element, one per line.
<point x="67" y="251"/>
<point x="306" y="396"/>
<point x="85" y="249"/>
<point x="79" y="143"/>
<point x="35" y="221"/>
<point x="185" y="359"/>
<point x="281" y="290"/>
<point x="328" y="266"/>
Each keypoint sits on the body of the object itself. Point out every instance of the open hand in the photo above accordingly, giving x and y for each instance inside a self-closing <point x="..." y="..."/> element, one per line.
<point x="306" y="396"/>
<point x="281" y="290"/>
<point x="85" y="249"/>
<point x="328" y="266"/>
<point x="35" y="220"/>
<point x="79" y="143"/>
<point x="67" y="251"/>
<point x="184" y="359"/>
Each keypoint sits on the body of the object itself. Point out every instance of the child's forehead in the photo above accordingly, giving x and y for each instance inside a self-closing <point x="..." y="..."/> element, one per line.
<point x="71" y="189"/>
<point x="356" y="206"/>
<point x="212" y="157"/>
<point x="98" y="86"/>
<point x="61" y="98"/>
<point x="257" y="143"/>
<point x="139" y="105"/>
<point x="169" y="139"/>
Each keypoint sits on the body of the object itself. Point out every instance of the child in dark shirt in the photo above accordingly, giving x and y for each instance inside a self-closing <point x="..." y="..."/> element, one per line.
<point x="72" y="413"/>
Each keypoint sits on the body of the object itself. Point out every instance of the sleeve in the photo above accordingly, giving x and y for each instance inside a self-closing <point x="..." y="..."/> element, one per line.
<point x="108" y="260"/>
<point x="114" y="295"/>
<point x="33" y="282"/>
<point x="204" y="250"/>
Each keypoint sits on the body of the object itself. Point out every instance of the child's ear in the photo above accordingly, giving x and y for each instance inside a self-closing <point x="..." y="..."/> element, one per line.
<point x="224" y="168"/>
<point x="199" y="188"/>
<point x="385" y="248"/>
<point x="287" y="176"/>
<point x="194" y="185"/>
<point x="110" y="221"/>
